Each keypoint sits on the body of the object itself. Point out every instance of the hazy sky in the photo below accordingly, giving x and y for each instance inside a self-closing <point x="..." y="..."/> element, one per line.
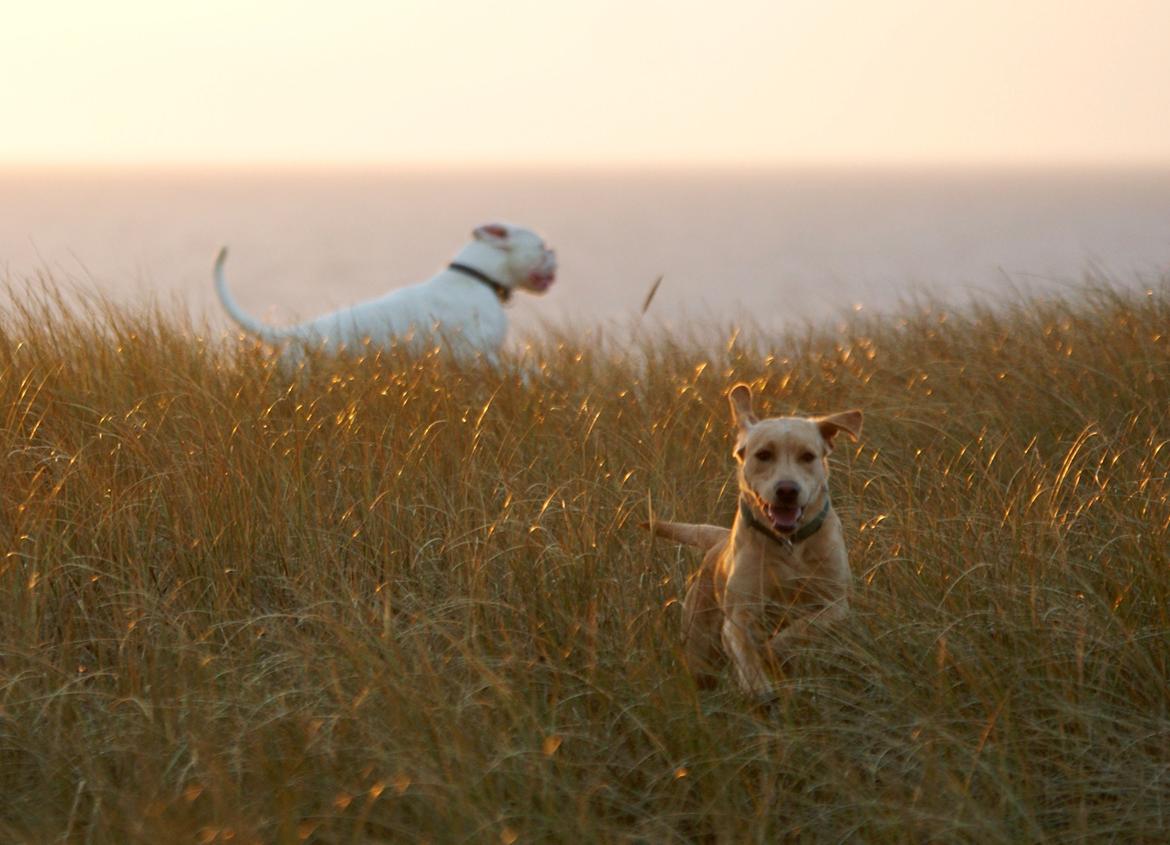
<point x="593" y="82"/>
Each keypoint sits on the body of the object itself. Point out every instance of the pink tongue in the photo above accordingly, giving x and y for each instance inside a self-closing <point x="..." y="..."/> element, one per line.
<point x="784" y="519"/>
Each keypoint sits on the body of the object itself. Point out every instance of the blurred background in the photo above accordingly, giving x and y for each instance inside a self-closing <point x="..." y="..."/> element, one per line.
<point x="779" y="160"/>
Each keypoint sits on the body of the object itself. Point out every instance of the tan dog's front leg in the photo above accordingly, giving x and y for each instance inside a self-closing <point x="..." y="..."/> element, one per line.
<point x="740" y="640"/>
<point x="781" y="643"/>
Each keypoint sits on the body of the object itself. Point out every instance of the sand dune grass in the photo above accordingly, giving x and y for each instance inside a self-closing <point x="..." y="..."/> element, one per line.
<point x="385" y="600"/>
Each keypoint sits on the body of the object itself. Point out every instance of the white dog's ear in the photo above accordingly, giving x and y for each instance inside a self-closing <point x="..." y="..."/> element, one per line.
<point x="492" y="233"/>
<point x="846" y="421"/>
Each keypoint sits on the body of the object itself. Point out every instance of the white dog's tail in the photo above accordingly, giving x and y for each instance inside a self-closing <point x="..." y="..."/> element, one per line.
<point x="271" y="334"/>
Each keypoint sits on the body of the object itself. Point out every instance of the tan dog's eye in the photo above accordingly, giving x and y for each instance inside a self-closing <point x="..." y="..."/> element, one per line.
<point x="764" y="455"/>
<point x="807" y="457"/>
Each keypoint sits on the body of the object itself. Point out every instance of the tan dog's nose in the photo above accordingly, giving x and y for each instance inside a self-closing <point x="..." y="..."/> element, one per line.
<point x="787" y="493"/>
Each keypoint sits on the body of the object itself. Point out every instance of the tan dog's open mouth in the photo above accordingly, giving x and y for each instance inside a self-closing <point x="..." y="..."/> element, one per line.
<point x="784" y="519"/>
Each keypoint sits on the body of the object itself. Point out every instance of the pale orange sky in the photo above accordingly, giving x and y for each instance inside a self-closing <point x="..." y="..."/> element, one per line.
<point x="736" y="82"/>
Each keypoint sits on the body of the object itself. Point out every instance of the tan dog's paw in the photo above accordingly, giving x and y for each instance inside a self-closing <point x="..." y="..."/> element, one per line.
<point x="767" y="702"/>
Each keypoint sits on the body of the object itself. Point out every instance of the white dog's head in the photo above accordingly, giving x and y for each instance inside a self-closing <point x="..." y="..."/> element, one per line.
<point x="524" y="259"/>
<point x="784" y="461"/>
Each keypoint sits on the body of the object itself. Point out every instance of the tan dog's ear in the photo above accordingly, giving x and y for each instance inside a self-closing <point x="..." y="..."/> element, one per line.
<point x="742" y="415"/>
<point x="846" y="421"/>
<point x="740" y="398"/>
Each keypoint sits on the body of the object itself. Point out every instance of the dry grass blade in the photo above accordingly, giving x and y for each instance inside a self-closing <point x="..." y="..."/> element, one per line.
<point x="650" y="295"/>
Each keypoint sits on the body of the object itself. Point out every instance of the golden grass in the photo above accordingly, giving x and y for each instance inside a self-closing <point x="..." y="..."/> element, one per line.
<point x="394" y="601"/>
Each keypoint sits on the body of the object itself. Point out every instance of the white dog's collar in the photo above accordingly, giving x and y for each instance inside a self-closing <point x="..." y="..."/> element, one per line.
<point x="503" y="292"/>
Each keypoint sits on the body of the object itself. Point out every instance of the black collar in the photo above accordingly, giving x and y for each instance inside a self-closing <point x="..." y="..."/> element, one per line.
<point x="502" y="292"/>
<point x="803" y="533"/>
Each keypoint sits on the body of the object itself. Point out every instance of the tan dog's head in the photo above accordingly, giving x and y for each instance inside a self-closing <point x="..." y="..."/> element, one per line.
<point x="527" y="262"/>
<point x="783" y="461"/>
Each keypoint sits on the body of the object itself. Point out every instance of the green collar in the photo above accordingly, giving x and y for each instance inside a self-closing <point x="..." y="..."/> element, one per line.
<point x="803" y="533"/>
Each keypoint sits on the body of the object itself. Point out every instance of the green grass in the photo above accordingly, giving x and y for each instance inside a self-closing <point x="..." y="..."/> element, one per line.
<point x="394" y="601"/>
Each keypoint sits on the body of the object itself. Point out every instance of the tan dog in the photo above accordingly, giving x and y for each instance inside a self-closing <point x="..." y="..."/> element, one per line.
<point x="782" y="566"/>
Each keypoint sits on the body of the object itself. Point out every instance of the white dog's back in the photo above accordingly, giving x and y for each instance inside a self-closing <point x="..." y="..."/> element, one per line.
<point x="459" y="309"/>
<point x="456" y="313"/>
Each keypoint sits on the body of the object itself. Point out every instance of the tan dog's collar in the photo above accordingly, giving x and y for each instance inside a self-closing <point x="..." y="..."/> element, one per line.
<point x="803" y="533"/>
<point x="503" y="293"/>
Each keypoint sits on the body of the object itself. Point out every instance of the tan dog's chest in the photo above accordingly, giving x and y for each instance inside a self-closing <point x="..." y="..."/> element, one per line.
<point x="784" y="582"/>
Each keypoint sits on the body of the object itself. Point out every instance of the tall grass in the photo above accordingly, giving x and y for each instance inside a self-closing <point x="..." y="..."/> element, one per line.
<point x="384" y="600"/>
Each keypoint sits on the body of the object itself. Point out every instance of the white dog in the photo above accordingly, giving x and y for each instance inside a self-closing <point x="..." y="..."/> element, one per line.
<point x="459" y="309"/>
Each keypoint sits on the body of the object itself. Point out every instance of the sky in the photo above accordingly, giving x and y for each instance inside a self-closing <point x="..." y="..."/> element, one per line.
<point x="600" y="82"/>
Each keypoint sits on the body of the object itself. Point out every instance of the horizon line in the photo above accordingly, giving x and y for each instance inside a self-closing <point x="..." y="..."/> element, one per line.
<point x="569" y="165"/>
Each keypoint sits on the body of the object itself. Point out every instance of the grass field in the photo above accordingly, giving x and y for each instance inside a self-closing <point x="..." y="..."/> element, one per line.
<point x="394" y="601"/>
